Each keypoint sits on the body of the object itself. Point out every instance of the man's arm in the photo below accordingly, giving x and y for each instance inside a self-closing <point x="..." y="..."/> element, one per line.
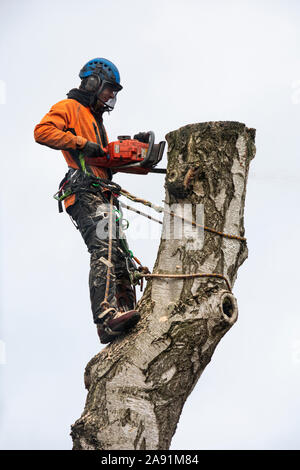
<point x="51" y="131"/>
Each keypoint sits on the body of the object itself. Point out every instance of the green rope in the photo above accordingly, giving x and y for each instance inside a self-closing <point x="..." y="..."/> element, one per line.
<point x="82" y="163"/>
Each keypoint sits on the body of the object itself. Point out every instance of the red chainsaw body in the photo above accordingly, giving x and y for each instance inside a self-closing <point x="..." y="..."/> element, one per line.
<point x="130" y="155"/>
<point x="125" y="152"/>
<point x="122" y="152"/>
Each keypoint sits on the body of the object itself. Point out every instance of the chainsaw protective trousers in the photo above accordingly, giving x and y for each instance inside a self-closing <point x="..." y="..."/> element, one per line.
<point x="91" y="214"/>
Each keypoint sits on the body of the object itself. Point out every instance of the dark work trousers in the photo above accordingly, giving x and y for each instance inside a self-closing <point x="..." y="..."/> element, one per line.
<point x="91" y="214"/>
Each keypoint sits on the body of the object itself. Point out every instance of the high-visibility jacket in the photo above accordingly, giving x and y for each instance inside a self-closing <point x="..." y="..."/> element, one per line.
<point x="68" y="126"/>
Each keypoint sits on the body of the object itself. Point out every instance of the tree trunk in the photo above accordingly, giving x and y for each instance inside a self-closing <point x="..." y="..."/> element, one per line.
<point x="137" y="386"/>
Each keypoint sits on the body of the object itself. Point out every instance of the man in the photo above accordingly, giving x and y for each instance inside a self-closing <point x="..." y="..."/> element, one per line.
<point x="75" y="126"/>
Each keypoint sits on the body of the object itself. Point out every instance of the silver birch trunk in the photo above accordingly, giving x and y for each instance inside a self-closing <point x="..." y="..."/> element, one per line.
<point x="137" y="386"/>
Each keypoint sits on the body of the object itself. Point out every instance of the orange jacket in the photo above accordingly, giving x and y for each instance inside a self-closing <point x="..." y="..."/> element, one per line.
<point x="54" y="130"/>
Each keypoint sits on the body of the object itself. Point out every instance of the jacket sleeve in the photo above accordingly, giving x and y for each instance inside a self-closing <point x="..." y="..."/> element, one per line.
<point x="51" y="131"/>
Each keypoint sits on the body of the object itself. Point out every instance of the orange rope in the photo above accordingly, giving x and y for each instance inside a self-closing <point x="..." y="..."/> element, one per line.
<point x="188" y="276"/>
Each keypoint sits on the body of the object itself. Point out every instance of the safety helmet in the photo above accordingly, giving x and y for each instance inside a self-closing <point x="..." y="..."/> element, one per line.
<point x="99" y="74"/>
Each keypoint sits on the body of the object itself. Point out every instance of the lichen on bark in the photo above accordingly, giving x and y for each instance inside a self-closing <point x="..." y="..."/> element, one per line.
<point x="137" y="386"/>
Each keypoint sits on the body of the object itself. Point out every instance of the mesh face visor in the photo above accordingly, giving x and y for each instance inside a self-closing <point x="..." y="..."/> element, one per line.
<point x="108" y="94"/>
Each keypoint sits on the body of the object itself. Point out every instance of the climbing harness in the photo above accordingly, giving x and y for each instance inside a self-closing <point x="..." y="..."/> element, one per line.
<point x="76" y="181"/>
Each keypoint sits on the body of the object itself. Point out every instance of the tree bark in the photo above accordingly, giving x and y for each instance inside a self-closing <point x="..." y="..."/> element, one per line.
<point x="137" y="385"/>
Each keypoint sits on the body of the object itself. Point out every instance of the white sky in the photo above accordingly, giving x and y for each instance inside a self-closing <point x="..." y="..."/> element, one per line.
<point x="180" y="62"/>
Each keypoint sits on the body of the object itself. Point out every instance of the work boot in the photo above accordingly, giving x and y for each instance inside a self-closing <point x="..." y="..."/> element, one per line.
<point x="115" y="323"/>
<point x="125" y="295"/>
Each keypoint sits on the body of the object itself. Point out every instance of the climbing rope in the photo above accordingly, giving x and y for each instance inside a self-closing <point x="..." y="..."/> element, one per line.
<point x="144" y="271"/>
<point x="161" y="209"/>
<point x="139" y="212"/>
<point x="105" y="304"/>
<point x="186" y="276"/>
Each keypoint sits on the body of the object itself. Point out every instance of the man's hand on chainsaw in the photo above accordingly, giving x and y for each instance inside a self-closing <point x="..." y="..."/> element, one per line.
<point x="93" y="150"/>
<point x="142" y="137"/>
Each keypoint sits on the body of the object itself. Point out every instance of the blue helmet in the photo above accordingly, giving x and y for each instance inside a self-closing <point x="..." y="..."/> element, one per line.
<point x="103" y="68"/>
<point x="98" y="75"/>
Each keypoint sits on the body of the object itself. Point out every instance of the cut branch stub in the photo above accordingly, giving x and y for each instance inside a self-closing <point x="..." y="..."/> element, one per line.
<point x="139" y="384"/>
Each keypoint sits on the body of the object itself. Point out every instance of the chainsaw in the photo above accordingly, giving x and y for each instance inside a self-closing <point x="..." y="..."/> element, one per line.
<point x="133" y="156"/>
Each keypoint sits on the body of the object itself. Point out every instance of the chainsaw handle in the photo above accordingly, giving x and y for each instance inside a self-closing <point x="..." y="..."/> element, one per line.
<point x="150" y="148"/>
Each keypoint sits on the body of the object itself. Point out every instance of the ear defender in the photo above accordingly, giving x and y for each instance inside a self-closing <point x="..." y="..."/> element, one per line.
<point x="92" y="83"/>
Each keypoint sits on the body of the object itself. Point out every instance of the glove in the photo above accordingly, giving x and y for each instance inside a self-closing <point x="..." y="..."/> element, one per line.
<point x="142" y="137"/>
<point x="92" y="150"/>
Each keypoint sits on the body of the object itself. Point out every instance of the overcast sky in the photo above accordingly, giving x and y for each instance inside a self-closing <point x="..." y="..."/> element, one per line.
<point x="181" y="62"/>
